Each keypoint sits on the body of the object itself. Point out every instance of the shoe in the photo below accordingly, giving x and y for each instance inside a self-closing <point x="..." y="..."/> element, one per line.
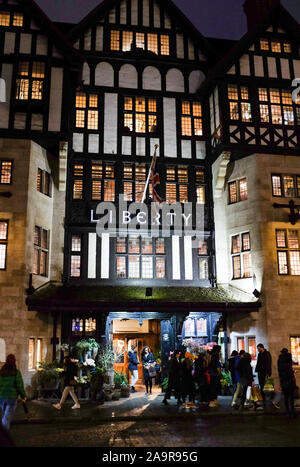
<point x="132" y="389"/>
<point x="76" y="406"/>
<point x="56" y="406"/>
<point x="165" y="402"/>
<point x="146" y="393"/>
<point x="277" y="406"/>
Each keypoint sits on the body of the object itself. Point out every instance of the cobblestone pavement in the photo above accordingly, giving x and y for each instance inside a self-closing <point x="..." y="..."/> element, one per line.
<point x="260" y="431"/>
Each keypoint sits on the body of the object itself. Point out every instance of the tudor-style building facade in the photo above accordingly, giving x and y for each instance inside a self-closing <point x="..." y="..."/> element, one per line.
<point x="227" y="132"/>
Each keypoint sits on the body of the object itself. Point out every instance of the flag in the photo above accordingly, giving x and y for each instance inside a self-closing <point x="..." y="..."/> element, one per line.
<point x="155" y="179"/>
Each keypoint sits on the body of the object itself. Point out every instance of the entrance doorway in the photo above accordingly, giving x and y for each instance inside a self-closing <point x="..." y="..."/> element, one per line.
<point x="128" y="332"/>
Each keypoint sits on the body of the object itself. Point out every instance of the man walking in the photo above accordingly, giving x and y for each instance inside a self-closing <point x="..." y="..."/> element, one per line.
<point x="133" y="367"/>
<point x="263" y="367"/>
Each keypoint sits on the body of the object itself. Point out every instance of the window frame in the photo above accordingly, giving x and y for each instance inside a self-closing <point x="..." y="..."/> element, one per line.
<point x="268" y="100"/>
<point x="31" y="79"/>
<point x="241" y="253"/>
<point x="44" y="174"/>
<point x="296" y="185"/>
<point x="87" y="110"/>
<point x="192" y="117"/>
<point x="4" y="242"/>
<point x="239" y="101"/>
<point x="40" y="249"/>
<point x="120" y="35"/>
<point x="75" y="253"/>
<point x="286" y="251"/>
<point x="237" y="184"/>
<point x="5" y="161"/>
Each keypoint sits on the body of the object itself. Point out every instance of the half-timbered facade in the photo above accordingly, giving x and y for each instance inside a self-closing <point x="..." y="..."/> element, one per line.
<point x="82" y="115"/>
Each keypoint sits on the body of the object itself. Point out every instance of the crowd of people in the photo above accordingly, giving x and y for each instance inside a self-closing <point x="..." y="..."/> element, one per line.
<point x="188" y="379"/>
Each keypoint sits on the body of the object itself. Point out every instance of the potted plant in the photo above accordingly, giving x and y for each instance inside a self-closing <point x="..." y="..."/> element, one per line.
<point x="125" y="387"/>
<point x="226" y="382"/>
<point x="96" y="379"/>
<point x="117" y="385"/>
<point x="105" y="360"/>
<point x="48" y="375"/>
<point x="82" y="387"/>
<point x="82" y="348"/>
<point x="94" y="346"/>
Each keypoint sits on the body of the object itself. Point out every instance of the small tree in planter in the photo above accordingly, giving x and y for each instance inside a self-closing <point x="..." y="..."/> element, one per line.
<point x="105" y="360"/>
<point x="82" y="348"/>
<point x="118" y="384"/>
<point x="125" y="387"/>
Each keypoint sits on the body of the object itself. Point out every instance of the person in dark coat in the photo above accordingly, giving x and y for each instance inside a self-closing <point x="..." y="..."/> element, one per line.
<point x="133" y="367"/>
<point x="11" y="387"/>
<point x="70" y="371"/>
<point x="263" y="367"/>
<point x="287" y="381"/>
<point x="174" y="369"/>
<point x="246" y="375"/>
<point x="214" y="370"/>
<point x="148" y="364"/>
<point x="187" y="382"/>
<point x="201" y="377"/>
<point x="231" y="368"/>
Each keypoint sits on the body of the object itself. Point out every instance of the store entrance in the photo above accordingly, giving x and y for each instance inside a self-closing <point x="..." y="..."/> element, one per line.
<point x="128" y="332"/>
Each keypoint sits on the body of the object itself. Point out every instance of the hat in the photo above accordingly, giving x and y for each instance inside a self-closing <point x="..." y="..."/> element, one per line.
<point x="284" y="350"/>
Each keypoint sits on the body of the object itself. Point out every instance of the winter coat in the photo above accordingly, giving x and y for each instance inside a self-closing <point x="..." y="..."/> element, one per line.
<point x="214" y="367"/>
<point x="286" y="372"/>
<point x="231" y="368"/>
<point x="200" y="370"/>
<point x="187" y="376"/>
<point x="174" y="369"/>
<point x="11" y="384"/>
<point x="237" y="360"/>
<point x="264" y="363"/>
<point x="245" y="370"/>
<point x="133" y="361"/>
<point x="145" y="360"/>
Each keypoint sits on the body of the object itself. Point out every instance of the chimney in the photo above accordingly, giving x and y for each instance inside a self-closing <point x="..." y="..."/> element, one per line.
<point x="256" y="10"/>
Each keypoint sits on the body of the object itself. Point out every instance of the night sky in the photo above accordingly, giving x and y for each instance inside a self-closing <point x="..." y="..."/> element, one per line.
<point x="213" y="18"/>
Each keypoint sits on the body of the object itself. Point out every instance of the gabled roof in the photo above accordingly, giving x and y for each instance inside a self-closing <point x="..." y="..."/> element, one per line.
<point x="279" y="14"/>
<point x="61" y="42"/>
<point x="106" y="5"/>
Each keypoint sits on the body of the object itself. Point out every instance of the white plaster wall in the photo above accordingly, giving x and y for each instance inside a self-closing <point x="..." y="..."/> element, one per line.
<point x="151" y="79"/>
<point x="128" y="77"/>
<point x="170" y="144"/>
<point x="55" y="105"/>
<point x="110" y="123"/>
<point x="175" y="80"/>
<point x="104" y="74"/>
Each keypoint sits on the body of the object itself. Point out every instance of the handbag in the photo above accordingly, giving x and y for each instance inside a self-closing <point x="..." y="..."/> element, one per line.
<point x="255" y="394"/>
<point x="152" y="372"/>
<point x="269" y="385"/>
<point x="73" y="382"/>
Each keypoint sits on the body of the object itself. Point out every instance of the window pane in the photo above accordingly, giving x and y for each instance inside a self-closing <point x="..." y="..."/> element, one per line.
<point x="186" y="123"/>
<point x="128" y="191"/>
<point x="247" y="265"/>
<point x="3" y="230"/>
<point x="93" y="119"/>
<point x="133" y="245"/>
<point x="232" y="192"/>
<point x="80" y="118"/>
<point x="147" y="267"/>
<point x="295" y="263"/>
<point x="276" y="185"/>
<point x="288" y="115"/>
<point x="115" y="40"/>
<point x="160" y="267"/>
<point x="282" y="262"/>
<point x="140" y="123"/>
<point x="236" y="267"/>
<point x="121" y="245"/>
<point x="121" y="267"/>
<point x="75" y="266"/>
<point x="275" y="46"/>
<point x="289" y="186"/>
<point x="252" y="346"/>
<point x="38" y="70"/>
<point x="164" y="45"/>
<point x="281" y="239"/>
<point x="134" y="267"/>
<point x="37" y="236"/>
<point x="36" y="261"/>
<point x="183" y="194"/>
<point x="264" y="44"/>
<point x="203" y="268"/>
<point x="109" y="190"/>
<point x="198" y="127"/>
<point x="96" y="190"/>
<point x="152" y="43"/>
<point x="139" y="191"/>
<point x="233" y="92"/>
<point x="236" y="244"/>
<point x="147" y="248"/>
<point x="78" y="171"/>
<point x="93" y="100"/>
<point x="295" y="349"/>
<point x="22" y="89"/>
<point x="264" y="113"/>
<point x="246" y="112"/>
<point x="202" y="247"/>
<point x="43" y="263"/>
<point x="127" y="40"/>
<point x="78" y="189"/>
<point x="3" y="256"/>
<point x="76" y="243"/>
<point x="140" y="40"/>
<point x="81" y="100"/>
<point x="171" y="193"/>
<point x="275" y="96"/>
<point x="160" y="246"/>
<point x="234" y="111"/>
<point x="200" y="195"/>
<point x="243" y="189"/>
<point x="240" y="344"/>
<point x="44" y="239"/>
<point x="246" y="242"/>
<point x="6" y="171"/>
<point x="4" y="18"/>
<point x="293" y="239"/>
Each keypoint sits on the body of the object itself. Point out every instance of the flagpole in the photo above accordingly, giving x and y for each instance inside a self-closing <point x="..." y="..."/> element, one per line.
<point x="149" y="174"/>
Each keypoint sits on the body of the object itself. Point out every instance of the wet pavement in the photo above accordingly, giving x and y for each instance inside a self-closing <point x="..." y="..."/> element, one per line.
<point x="137" y="406"/>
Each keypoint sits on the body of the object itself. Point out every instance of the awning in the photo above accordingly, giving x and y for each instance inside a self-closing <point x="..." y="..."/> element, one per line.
<point x="53" y="297"/>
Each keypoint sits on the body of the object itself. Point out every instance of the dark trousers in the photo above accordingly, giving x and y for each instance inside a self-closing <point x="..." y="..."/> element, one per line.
<point x="214" y="387"/>
<point x="261" y="382"/>
<point x="244" y="395"/>
<point x="289" y="400"/>
<point x="188" y="390"/>
<point x="173" y="385"/>
<point x="148" y="384"/>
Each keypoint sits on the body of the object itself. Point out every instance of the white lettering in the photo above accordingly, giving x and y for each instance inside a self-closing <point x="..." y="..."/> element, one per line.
<point x="126" y="217"/>
<point x="139" y="218"/>
<point x="173" y="215"/>
<point x="186" y="219"/>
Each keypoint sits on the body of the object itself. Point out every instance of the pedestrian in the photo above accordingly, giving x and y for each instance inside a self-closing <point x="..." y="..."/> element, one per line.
<point x="70" y="371"/>
<point x="237" y="378"/>
<point x="174" y="369"/>
<point x="11" y="386"/>
<point x="202" y="377"/>
<point x="231" y="368"/>
<point x="187" y="382"/>
<point x="133" y="367"/>
<point x="263" y="367"/>
<point x="287" y="381"/>
<point x="246" y="376"/>
<point x="148" y="368"/>
<point x="214" y="370"/>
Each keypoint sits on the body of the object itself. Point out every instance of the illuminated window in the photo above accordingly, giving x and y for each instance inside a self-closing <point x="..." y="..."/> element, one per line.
<point x="41" y="251"/>
<point x="30" y="81"/>
<point x="264" y="44"/>
<point x="238" y="108"/>
<point x="277" y="107"/>
<point x="18" y="19"/>
<point x="4" y="18"/>
<point x="84" y="327"/>
<point x="287" y="186"/>
<point x="5" y="172"/>
<point x="140" y="40"/>
<point x="177" y="181"/>
<point x="35" y="348"/>
<point x="203" y="259"/>
<point x="43" y="182"/>
<point x="237" y="191"/>
<point x="200" y="186"/>
<point x="140" y="115"/>
<point x="76" y="243"/>
<point x="164" y="45"/>
<point x="78" y="181"/>
<point x="103" y="182"/>
<point x="86" y="115"/>
<point x="140" y="258"/>
<point x="191" y="120"/>
<point x="115" y="40"/>
<point x="3" y="243"/>
<point x="288" y="252"/>
<point x="241" y="256"/>
<point x="152" y="43"/>
<point x="295" y="349"/>
<point x="127" y="41"/>
<point x="276" y="46"/>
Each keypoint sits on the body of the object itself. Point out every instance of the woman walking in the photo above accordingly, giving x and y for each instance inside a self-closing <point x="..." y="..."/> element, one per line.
<point x="148" y="367"/>
<point x="214" y="370"/>
<point x="11" y="386"/>
<point x="69" y="383"/>
<point x="188" y="386"/>
<point x="287" y="381"/>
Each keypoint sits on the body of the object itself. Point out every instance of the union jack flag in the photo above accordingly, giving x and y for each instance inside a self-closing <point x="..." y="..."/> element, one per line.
<point x="155" y="179"/>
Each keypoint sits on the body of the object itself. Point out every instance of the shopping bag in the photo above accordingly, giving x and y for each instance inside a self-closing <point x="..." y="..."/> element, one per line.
<point x="269" y="385"/>
<point x="255" y="395"/>
<point x="152" y="372"/>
